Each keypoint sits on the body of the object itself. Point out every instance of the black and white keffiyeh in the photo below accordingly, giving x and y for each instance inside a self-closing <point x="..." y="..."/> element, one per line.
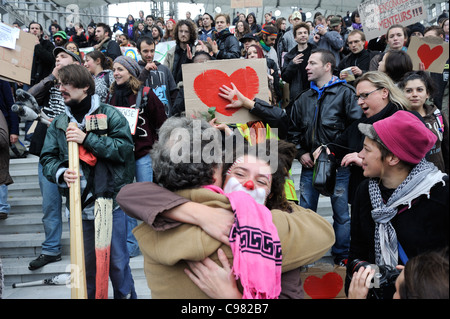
<point x="419" y="182"/>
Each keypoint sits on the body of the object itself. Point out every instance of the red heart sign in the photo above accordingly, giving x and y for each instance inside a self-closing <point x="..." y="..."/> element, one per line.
<point x="207" y="84"/>
<point x="427" y="55"/>
<point x="326" y="287"/>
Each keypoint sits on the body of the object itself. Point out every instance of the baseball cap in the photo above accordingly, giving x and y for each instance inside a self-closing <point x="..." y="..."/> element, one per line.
<point x="335" y="21"/>
<point x="296" y="15"/>
<point x="57" y="50"/>
<point x="60" y="34"/>
<point x="402" y="133"/>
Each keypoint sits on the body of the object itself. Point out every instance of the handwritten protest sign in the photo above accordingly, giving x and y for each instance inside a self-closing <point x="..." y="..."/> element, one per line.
<point x="246" y="3"/>
<point x="132" y="115"/>
<point x="378" y="15"/>
<point x="202" y="82"/>
<point x="432" y="52"/>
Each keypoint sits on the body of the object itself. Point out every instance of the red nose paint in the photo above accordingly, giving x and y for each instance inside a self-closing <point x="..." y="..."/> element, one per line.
<point x="249" y="185"/>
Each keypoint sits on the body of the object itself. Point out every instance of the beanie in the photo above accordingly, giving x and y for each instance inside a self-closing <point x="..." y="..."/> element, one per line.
<point x="130" y="64"/>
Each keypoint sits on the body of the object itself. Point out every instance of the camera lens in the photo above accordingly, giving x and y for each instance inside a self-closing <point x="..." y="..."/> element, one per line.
<point x="356" y="264"/>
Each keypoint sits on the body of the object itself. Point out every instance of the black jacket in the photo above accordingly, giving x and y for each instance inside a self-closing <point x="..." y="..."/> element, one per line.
<point x="295" y="74"/>
<point x="228" y="45"/>
<point x="352" y="140"/>
<point x="422" y="227"/>
<point x="43" y="61"/>
<point x="337" y="108"/>
<point x="361" y="60"/>
<point x="276" y="117"/>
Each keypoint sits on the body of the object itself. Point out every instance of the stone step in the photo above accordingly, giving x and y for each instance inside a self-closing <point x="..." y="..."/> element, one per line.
<point x="27" y="244"/>
<point x="28" y="163"/>
<point x="26" y="223"/>
<point x="23" y="190"/>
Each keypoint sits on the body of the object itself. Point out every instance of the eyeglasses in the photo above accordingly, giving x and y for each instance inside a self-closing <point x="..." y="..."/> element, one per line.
<point x="59" y="85"/>
<point x="364" y="96"/>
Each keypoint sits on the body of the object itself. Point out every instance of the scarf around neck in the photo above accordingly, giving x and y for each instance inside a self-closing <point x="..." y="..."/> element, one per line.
<point x="419" y="182"/>
<point x="255" y="245"/>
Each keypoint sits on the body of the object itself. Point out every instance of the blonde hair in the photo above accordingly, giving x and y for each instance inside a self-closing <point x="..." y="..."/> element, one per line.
<point x="381" y="80"/>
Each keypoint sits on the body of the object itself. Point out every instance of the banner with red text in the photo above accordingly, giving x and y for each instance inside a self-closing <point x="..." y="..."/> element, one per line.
<point x="378" y="15"/>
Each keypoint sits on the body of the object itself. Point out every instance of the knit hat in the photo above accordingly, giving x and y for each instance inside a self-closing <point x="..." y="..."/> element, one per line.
<point x="402" y="133"/>
<point x="60" y="34"/>
<point x="57" y="50"/>
<point x="173" y="21"/>
<point x="129" y="63"/>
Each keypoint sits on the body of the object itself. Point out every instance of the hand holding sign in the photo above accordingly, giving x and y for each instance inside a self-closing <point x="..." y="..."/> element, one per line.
<point x="432" y="52"/>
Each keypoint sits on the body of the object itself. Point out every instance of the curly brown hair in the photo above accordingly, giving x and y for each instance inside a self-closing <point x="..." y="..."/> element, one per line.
<point x="192" y="31"/>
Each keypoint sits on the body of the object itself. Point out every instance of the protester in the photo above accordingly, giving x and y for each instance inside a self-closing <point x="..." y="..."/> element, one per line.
<point x="5" y="178"/>
<point x="255" y="52"/>
<point x="358" y="60"/>
<point x="400" y="211"/>
<point x="379" y="98"/>
<point x="268" y="36"/>
<point x="128" y="27"/>
<point x="48" y="95"/>
<point x="251" y="20"/>
<point x="168" y="279"/>
<point x="127" y="91"/>
<point x="182" y="52"/>
<point x="395" y="64"/>
<point x="208" y="27"/>
<point x="43" y="59"/>
<point x="280" y="23"/>
<point x="225" y="44"/>
<point x="72" y="46"/>
<point x="396" y="37"/>
<point x="111" y="147"/>
<point x="156" y="75"/>
<point x="319" y="116"/>
<point x="101" y="69"/>
<point x="418" y="88"/>
<point x="327" y="38"/>
<point x="157" y="34"/>
<point x="295" y="61"/>
<point x="170" y="34"/>
<point x="287" y="41"/>
<point x="242" y="29"/>
<point x="108" y="46"/>
<point x="60" y="38"/>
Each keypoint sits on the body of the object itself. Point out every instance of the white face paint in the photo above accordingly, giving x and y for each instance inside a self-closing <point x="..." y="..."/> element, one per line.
<point x="233" y="185"/>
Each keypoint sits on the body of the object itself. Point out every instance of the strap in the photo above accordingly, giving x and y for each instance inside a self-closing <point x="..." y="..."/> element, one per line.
<point x="402" y="254"/>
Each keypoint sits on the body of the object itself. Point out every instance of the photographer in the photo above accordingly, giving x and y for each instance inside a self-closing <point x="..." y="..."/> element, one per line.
<point x="401" y="210"/>
<point x="424" y="277"/>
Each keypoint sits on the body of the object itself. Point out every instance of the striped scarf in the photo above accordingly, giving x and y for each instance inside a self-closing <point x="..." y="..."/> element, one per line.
<point x="419" y="182"/>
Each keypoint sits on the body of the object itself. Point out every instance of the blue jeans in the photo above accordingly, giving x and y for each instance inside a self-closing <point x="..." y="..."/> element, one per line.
<point x="309" y="198"/>
<point x="119" y="268"/>
<point x="144" y="173"/>
<point x="4" y="206"/>
<point x="52" y="219"/>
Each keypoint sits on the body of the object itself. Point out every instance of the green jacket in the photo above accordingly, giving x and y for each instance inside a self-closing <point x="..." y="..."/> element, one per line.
<point x="116" y="147"/>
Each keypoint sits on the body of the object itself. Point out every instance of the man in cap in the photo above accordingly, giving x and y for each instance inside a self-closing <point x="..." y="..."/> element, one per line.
<point x="328" y="39"/>
<point x="249" y="39"/>
<point x="401" y="210"/>
<point x="60" y="38"/>
<point x="47" y="95"/>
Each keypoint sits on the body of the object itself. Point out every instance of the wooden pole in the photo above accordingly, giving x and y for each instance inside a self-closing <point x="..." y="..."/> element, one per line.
<point x="78" y="269"/>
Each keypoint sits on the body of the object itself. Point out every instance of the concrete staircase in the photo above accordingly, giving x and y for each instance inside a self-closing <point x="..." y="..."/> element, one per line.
<point x="22" y="234"/>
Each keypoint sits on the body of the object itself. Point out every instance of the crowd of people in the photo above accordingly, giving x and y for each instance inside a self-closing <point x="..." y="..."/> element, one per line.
<point x="383" y="124"/>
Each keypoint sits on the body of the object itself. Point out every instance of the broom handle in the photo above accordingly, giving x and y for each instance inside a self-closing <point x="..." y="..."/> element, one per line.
<point x="78" y="270"/>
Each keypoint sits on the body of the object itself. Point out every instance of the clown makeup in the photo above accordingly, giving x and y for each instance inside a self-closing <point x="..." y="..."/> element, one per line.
<point x="253" y="177"/>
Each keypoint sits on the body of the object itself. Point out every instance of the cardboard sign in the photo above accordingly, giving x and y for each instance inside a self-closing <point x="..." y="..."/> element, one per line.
<point x="324" y="281"/>
<point x="132" y="115"/>
<point x="161" y="50"/>
<point x="202" y="82"/>
<point x="378" y="15"/>
<point x="432" y="52"/>
<point x="16" y="60"/>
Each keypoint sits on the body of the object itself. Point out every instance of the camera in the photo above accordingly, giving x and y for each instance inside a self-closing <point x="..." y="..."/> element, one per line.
<point x="384" y="278"/>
